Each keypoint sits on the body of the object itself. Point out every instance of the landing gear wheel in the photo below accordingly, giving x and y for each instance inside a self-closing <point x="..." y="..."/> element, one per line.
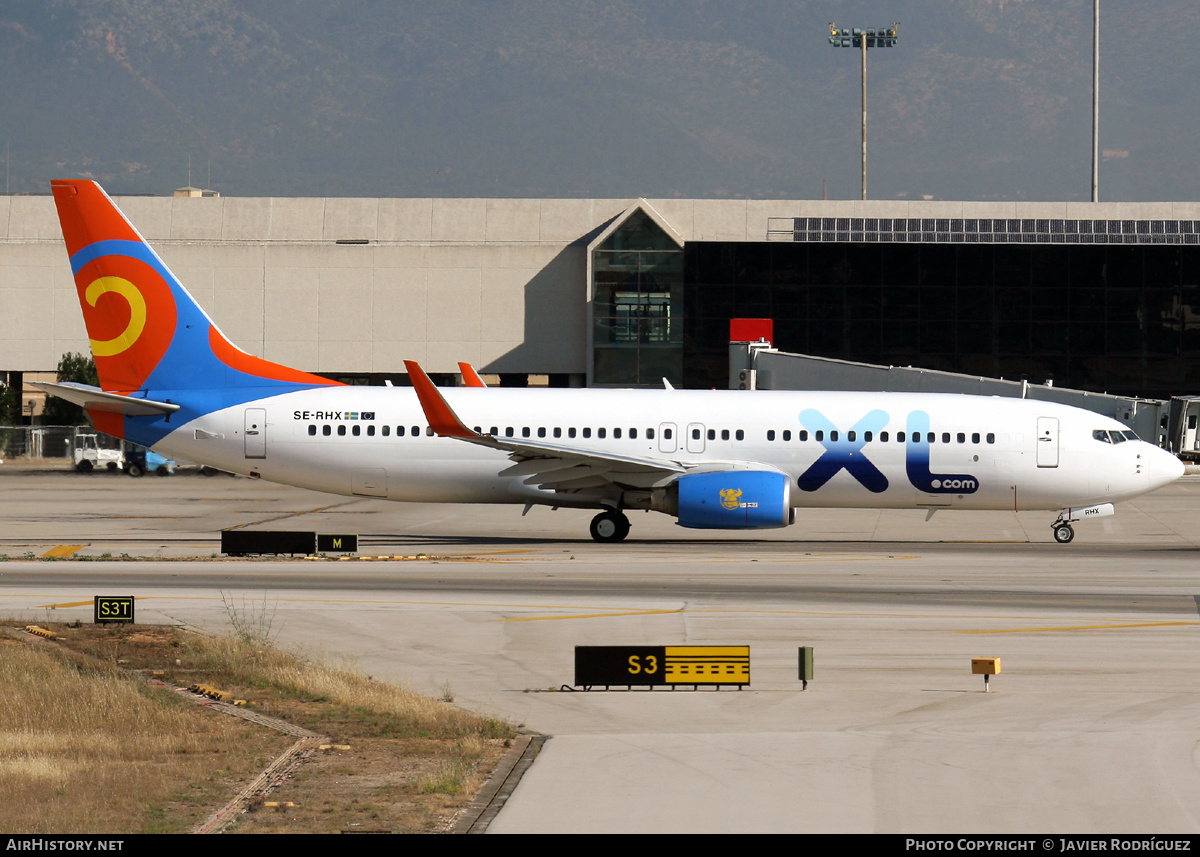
<point x="609" y="527"/>
<point x="1063" y="533"/>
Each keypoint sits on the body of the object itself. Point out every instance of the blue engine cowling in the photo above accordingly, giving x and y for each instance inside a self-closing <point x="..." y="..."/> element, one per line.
<point x="735" y="500"/>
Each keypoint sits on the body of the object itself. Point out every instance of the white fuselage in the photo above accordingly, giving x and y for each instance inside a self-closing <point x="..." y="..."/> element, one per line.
<point x="986" y="452"/>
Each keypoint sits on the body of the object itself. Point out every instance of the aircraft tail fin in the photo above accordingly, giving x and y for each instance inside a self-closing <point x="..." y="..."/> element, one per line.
<point x="147" y="332"/>
<point x="470" y="376"/>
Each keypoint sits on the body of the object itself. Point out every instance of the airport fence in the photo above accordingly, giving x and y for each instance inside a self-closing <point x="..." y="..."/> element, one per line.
<point x="32" y="443"/>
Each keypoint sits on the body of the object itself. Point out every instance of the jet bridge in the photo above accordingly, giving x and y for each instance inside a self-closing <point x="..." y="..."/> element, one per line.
<point x="755" y="365"/>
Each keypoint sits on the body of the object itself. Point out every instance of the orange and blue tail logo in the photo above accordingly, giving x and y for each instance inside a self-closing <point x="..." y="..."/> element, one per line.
<point x="146" y="332"/>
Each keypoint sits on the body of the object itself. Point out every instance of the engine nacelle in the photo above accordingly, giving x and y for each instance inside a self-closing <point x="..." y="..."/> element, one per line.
<point x="735" y="500"/>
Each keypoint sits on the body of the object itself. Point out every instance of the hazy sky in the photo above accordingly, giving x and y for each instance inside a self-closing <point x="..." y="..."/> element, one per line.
<point x="981" y="99"/>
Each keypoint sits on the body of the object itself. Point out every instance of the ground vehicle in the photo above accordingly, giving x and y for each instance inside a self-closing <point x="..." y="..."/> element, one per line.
<point x="89" y="452"/>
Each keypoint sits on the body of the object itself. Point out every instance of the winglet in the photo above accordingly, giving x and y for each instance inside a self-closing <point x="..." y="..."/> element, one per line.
<point x="470" y="376"/>
<point x="441" y="416"/>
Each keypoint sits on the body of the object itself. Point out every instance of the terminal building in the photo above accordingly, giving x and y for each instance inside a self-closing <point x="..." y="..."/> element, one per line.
<point x="1100" y="297"/>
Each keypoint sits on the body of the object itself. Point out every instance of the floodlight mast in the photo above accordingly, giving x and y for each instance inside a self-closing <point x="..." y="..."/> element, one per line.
<point x="858" y="37"/>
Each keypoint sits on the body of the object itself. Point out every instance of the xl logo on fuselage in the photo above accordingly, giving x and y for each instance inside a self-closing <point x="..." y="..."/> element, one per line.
<point x="844" y="451"/>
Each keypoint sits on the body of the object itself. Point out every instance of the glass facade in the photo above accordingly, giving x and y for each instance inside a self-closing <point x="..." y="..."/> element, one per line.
<point x="1117" y="318"/>
<point x="637" y="302"/>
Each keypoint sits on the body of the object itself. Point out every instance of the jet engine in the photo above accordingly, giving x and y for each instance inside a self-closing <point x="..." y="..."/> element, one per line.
<point x="735" y="500"/>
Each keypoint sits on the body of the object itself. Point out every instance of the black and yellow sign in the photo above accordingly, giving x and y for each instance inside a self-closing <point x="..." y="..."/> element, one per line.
<point x="113" y="608"/>
<point x="337" y="542"/>
<point x="651" y="666"/>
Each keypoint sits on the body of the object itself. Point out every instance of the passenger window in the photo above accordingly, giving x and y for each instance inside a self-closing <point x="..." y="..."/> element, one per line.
<point x="356" y="431"/>
<point x="650" y="433"/>
<point x="712" y="434"/>
<point x="341" y="431"/>
<point x="587" y="432"/>
<point x="787" y="434"/>
<point x="867" y="436"/>
<point x="820" y="435"/>
<point x="508" y="431"/>
<point x="557" y="431"/>
<point x="851" y="436"/>
<point x="312" y="431"/>
<point x="975" y="437"/>
<point x="667" y="433"/>
<point x="416" y="430"/>
<point x="695" y="434"/>
<point x="617" y="433"/>
<point x="601" y="433"/>
<point x="541" y="431"/>
<point x="962" y="437"/>
<point x="803" y="435"/>
<point x="325" y="430"/>
<point x="931" y="437"/>
<point x="495" y="431"/>
<point x="724" y="434"/>
<point x="633" y="434"/>
<point x="400" y="431"/>
<point x="429" y="431"/>
<point x="525" y="431"/>
<point x="991" y="438"/>
<point x="770" y="434"/>
<point x="883" y="437"/>
<point x="899" y="437"/>
<point x="833" y="435"/>
<point x="739" y="435"/>
<point x="388" y="430"/>
<point x="571" y="432"/>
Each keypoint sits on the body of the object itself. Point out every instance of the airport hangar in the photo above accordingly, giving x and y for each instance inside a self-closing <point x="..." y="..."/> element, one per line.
<point x="1093" y="296"/>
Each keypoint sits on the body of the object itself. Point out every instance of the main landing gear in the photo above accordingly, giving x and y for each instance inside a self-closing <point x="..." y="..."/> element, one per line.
<point x="610" y="526"/>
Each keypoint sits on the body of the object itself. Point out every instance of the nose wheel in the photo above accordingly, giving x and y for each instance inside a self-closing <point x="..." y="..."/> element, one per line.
<point x="610" y="527"/>
<point x="1063" y="533"/>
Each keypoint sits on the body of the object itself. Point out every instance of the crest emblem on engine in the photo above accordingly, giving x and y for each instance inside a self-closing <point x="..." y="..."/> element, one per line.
<point x="730" y="497"/>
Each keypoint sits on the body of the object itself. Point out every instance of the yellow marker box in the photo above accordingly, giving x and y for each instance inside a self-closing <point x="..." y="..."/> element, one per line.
<point x="985" y="666"/>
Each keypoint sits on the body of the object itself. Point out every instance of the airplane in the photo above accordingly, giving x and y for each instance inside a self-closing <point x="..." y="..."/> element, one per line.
<point x="719" y="460"/>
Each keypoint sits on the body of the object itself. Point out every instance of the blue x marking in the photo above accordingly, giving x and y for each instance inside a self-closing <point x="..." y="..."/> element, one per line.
<point x="843" y="454"/>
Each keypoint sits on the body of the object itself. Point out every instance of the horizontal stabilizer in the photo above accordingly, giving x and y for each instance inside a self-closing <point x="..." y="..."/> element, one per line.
<point x="95" y="399"/>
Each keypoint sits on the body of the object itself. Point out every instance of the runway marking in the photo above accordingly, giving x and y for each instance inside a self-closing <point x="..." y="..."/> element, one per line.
<point x="87" y="603"/>
<point x="295" y="514"/>
<point x="1082" y="628"/>
<point x="62" y="551"/>
<point x="592" y="615"/>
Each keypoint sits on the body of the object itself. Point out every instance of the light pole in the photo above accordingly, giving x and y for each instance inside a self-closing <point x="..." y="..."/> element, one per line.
<point x="858" y="37"/>
<point x="1095" y="100"/>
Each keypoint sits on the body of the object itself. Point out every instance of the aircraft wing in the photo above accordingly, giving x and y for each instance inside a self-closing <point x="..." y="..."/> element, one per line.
<point x="94" y="399"/>
<point x="548" y="465"/>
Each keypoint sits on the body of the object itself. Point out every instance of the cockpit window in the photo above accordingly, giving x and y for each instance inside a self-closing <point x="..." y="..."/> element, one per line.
<point x="1101" y="435"/>
<point x="1116" y="436"/>
<point x="1130" y="435"/>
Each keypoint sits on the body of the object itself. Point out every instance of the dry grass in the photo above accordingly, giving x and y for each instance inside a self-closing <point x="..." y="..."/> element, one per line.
<point x="85" y="750"/>
<point x="394" y="711"/>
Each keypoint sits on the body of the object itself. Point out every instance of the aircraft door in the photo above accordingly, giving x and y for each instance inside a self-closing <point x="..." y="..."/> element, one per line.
<point x="1047" y="442"/>
<point x="256" y="432"/>
<point x="667" y="442"/>
<point x="695" y="437"/>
